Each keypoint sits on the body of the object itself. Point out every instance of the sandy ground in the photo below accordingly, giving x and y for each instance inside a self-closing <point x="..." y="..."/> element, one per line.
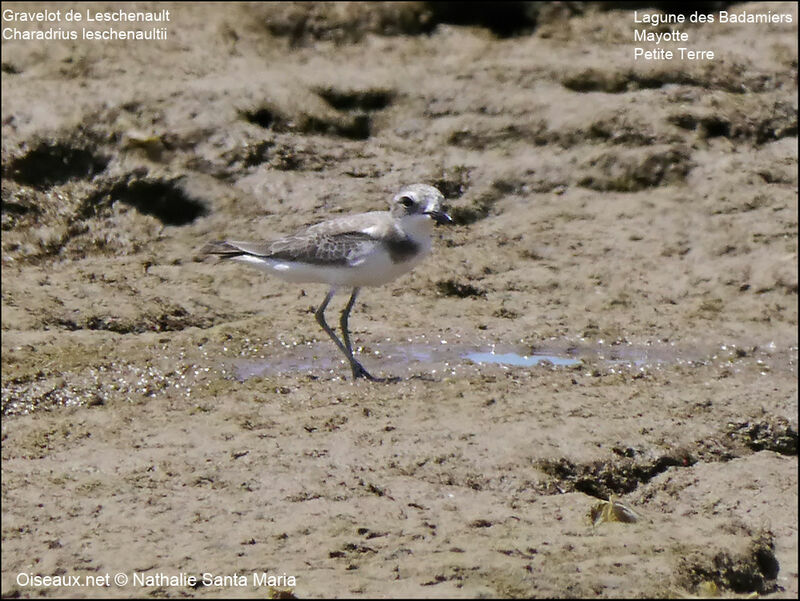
<point x="167" y="416"/>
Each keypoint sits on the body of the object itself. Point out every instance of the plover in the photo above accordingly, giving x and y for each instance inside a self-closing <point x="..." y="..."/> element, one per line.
<point x="368" y="249"/>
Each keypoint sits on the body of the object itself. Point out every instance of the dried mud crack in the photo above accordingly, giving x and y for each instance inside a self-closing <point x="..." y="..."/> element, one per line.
<point x="752" y="570"/>
<point x="633" y="467"/>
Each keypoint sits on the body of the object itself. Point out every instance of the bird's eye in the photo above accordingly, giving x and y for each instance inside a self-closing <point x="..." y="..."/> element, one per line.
<point x="407" y="201"/>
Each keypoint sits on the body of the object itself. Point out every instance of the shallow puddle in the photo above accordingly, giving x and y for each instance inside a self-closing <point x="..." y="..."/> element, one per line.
<point x="519" y="360"/>
<point x="438" y="356"/>
<point x="188" y="372"/>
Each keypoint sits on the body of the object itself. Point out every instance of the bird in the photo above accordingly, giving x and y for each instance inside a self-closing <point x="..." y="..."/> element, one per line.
<point x="349" y="252"/>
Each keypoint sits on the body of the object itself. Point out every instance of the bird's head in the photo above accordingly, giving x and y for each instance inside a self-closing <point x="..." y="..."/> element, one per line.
<point x="420" y="199"/>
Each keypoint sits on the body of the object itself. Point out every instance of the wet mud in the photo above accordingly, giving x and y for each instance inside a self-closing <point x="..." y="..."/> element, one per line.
<point x="594" y="376"/>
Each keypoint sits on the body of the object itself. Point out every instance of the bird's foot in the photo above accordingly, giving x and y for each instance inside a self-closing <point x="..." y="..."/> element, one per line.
<point x="360" y="372"/>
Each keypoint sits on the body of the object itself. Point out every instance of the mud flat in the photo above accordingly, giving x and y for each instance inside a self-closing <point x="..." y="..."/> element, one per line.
<point x="635" y="224"/>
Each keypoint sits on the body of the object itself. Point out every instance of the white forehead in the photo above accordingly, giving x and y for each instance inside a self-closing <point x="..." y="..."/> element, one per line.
<point x="423" y="194"/>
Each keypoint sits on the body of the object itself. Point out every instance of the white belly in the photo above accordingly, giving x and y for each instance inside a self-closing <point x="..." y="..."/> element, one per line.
<point x="375" y="270"/>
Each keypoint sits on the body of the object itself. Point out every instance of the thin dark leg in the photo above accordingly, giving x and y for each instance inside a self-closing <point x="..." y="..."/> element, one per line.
<point x="358" y="369"/>
<point x="343" y="321"/>
<point x="355" y="366"/>
<point x="320" y="315"/>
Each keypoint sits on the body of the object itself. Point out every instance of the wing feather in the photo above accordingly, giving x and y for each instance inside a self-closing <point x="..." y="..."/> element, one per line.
<point x="318" y="249"/>
<point x="342" y="241"/>
<point x="341" y="249"/>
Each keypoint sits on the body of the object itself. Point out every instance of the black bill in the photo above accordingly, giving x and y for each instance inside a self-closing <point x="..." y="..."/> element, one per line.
<point x="440" y="217"/>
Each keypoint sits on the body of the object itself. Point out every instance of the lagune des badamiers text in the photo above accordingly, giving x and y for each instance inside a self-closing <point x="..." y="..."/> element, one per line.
<point x="653" y="31"/>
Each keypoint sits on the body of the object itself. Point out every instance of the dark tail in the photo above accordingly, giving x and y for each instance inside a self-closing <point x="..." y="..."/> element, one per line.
<point x="221" y="249"/>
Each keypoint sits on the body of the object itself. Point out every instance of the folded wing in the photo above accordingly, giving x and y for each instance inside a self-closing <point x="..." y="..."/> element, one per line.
<point x="338" y="249"/>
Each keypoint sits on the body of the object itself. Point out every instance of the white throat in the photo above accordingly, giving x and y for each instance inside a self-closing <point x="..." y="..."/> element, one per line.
<point x="418" y="227"/>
